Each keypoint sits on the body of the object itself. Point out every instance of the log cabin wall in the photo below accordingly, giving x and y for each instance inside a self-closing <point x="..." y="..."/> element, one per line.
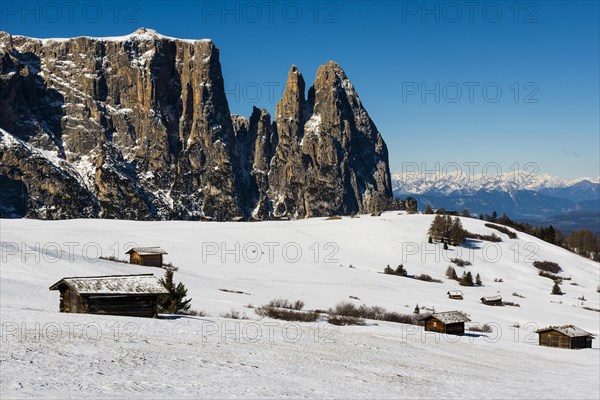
<point x="555" y="339"/>
<point x="581" y="342"/>
<point x="125" y="305"/>
<point x="457" y="328"/>
<point x="434" y="325"/>
<point x="152" y="260"/>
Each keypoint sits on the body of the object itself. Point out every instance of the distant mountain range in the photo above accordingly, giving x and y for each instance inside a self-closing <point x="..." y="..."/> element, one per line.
<point x="567" y="204"/>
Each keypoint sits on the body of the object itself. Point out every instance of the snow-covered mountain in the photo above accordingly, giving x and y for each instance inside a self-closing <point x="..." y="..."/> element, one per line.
<point x="568" y="204"/>
<point x="47" y="354"/>
<point x="462" y="183"/>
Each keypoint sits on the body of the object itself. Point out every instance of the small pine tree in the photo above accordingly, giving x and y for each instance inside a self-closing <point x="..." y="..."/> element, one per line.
<point x="430" y="239"/>
<point x="401" y="270"/>
<point x="457" y="233"/>
<point x="478" y="280"/>
<point x="388" y="270"/>
<point x="451" y="273"/>
<point x="428" y="209"/>
<point x="445" y="246"/>
<point x="467" y="279"/>
<point x="556" y="289"/>
<point x="174" y="302"/>
<point x="417" y="310"/>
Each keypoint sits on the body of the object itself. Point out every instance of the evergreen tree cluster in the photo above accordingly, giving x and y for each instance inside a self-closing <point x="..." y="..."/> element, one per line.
<point x="466" y="279"/>
<point x="445" y="229"/>
<point x="400" y="270"/>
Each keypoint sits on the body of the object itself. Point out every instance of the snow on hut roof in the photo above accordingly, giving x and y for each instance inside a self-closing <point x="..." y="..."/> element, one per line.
<point x="568" y="330"/>
<point x="145" y="251"/>
<point x="449" y="317"/>
<point x="113" y="284"/>
<point x="455" y="292"/>
<point x="491" y="298"/>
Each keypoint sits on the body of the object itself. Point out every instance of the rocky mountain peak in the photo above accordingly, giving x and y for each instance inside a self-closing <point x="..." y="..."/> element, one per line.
<point x="139" y="127"/>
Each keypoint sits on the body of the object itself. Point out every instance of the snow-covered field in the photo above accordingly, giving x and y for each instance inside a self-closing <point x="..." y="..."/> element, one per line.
<point x="46" y="354"/>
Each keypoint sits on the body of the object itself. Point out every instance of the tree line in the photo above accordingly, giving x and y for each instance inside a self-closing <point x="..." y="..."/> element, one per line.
<point x="582" y="241"/>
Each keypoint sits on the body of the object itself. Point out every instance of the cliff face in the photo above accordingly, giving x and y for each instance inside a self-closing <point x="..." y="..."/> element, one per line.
<point x="139" y="127"/>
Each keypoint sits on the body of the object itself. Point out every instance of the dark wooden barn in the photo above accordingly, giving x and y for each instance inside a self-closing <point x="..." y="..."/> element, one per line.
<point x="450" y="322"/>
<point x="566" y="337"/>
<point x="149" y="256"/>
<point x="455" y="294"/>
<point x="492" y="300"/>
<point x="130" y="295"/>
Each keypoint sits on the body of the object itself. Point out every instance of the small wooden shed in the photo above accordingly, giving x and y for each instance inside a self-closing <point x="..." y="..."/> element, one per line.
<point x="455" y="294"/>
<point x="492" y="300"/>
<point x="450" y="322"/>
<point x="129" y="295"/>
<point x="566" y="337"/>
<point x="149" y="256"/>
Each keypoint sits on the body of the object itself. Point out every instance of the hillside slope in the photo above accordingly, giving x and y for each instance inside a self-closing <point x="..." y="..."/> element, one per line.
<point x="378" y="359"/>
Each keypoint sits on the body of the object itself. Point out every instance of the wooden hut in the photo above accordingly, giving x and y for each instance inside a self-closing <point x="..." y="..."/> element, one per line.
<point x="492" y="300"/>
<point x="130" y="295"/>
<point x="566" y="337"/>
<point x="149" y="256"/>
<point x="450" y="322"/>
<point x="455" y="294"/>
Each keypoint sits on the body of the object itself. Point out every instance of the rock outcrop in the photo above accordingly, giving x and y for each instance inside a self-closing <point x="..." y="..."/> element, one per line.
<point x="139" y="127"/>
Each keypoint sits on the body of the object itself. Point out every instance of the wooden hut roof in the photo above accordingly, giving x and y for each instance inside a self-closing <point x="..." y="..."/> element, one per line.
<point x="567" y="330"/>
<point x="449" y="317"/>
<point x="145" y="251"/>
<point x="491" y="298"/>
<point x="113" y="284"/>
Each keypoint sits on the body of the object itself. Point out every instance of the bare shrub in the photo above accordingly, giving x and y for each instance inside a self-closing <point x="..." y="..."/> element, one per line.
<point x="518" y="295"/>
<point x="460" y="263"/>
<point x="284" y="303"/>
<point x="547" y="266"/>
<point x="427" y="278"/>
<point x="195" y="313"/>
<point x="485" y="328"/>
<point x="344" y="320"/>
<point x="234" y="314"/>
<point x="287" y="314"/>
<point x="502" y="229"/>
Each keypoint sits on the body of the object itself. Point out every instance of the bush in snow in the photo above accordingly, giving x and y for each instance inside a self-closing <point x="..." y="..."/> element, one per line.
<point x="556" y="289"/>
<point x="547" y="266"/>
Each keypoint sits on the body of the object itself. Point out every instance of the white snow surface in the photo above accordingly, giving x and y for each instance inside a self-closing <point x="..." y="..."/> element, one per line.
<point x="140" y="34"/>
<point x="47" y="354"/>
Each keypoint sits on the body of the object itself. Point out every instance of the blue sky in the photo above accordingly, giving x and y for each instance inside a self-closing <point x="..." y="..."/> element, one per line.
<point x="445" y="82"/>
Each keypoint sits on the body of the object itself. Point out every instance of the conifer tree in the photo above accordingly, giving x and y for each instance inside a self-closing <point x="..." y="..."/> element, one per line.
<point x="388" y="270"/>
<point x="451" y="273"/>
<point x="428" y="209"/>
<point x="467" y="279"/>
<point x="478" y="280"/>
<point x="174" y="302"/>
<point x="401" y="270"/>
<point x="417" y="309"/>
<point x="556" y="289"/>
